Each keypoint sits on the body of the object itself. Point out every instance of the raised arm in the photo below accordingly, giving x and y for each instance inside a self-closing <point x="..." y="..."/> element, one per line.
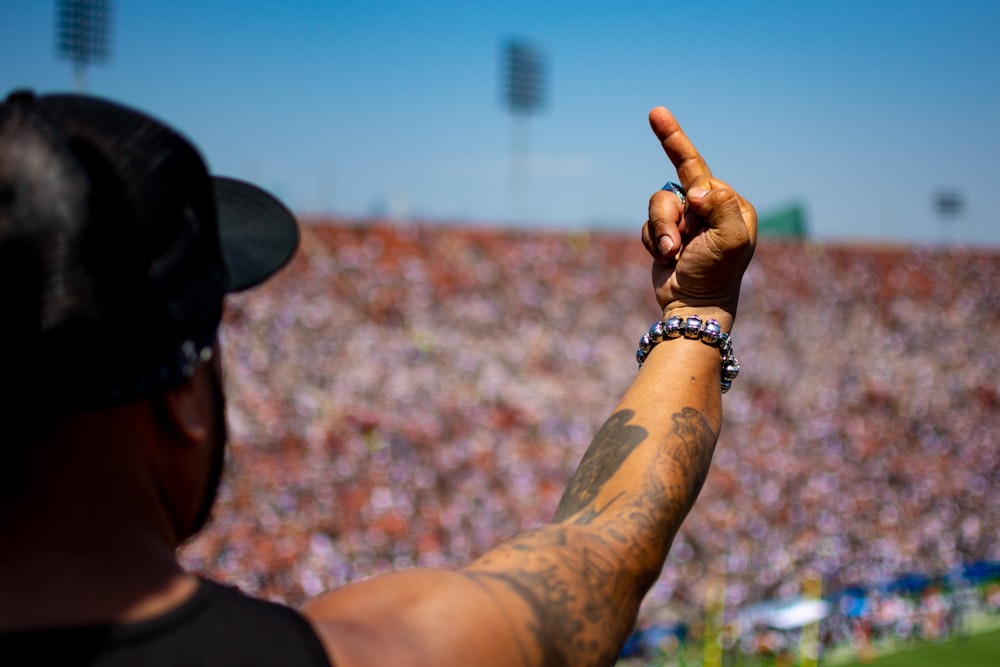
<point x="568" y="593"/>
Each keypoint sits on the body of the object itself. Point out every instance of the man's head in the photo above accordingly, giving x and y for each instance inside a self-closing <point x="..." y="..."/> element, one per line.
<point x="117" y="248"/>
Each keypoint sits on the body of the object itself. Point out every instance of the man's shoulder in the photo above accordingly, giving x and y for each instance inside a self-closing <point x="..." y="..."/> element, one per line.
<point x="218" y="625"/>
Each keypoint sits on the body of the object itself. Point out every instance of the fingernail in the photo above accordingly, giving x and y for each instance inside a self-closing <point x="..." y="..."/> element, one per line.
<point x="697" y="193"/>
<point x="666" y="245"/>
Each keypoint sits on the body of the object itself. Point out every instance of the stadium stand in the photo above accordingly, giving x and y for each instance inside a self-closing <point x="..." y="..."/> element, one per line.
<point x="410" y="395"/>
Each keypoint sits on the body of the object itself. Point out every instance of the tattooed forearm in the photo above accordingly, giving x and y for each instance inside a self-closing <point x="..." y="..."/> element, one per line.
<point x="584" y="579"/>
<point x="694" y="451"/>
<point x="611" y="446"/>
<point x="564" y="576"/>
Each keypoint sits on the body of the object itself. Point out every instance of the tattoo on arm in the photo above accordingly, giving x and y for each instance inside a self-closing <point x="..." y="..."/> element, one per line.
<point x="609" y="449"/>
<point x="564" y="578"/>
<point x="694" y="453"/>
<point x="583" y="581"/>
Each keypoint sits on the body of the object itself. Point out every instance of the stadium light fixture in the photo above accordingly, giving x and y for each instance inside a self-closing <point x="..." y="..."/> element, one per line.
<point x="82" y="35"/>
<point x="523" y="89"/>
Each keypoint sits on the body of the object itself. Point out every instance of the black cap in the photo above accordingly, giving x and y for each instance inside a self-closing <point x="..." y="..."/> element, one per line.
<point x="117" y="247"/>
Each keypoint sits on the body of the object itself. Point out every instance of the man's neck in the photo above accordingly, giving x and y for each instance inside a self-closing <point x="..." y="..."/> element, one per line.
<point x="69" y="575"/>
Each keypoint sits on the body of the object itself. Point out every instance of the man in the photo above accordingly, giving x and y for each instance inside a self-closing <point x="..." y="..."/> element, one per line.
<point x="116" y="251"/>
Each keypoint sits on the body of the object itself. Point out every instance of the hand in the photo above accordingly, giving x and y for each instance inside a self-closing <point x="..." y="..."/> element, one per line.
<point x="699" y="256"/>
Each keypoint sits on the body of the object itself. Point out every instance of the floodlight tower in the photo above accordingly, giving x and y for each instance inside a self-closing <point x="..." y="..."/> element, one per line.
<point x="523" y="94"/>
<point x="82" y="35"/>
<point x="950" y="206"/>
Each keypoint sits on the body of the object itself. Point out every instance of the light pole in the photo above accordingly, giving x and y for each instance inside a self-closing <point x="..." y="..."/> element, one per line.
<point x="82" y="35"/>
<point x="524" y="84"/>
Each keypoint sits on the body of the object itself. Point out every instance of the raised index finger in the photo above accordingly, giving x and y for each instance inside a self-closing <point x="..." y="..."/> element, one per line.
<point x="687" y="160"/>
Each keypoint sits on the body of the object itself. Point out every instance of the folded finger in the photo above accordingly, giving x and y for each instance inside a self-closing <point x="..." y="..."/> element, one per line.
<point x="728" y="214"/>
<point x="662" y="234"/>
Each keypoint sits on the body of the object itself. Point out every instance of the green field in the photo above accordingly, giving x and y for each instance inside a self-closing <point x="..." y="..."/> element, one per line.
<point x="981" y="650"/>
<point x="978" y="649"/>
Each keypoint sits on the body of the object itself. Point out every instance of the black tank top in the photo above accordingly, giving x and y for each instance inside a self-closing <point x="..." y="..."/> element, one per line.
<point x="217" y="627"/>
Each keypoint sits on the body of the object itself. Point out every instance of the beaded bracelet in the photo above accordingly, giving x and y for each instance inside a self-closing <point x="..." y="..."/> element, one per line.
<point x="709" y="333"/>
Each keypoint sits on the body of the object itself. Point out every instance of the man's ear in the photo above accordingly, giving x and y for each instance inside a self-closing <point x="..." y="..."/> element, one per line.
<point x="186" y="408"/>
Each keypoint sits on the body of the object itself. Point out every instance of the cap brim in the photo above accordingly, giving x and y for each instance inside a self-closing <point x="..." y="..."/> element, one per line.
<point x="257" y="232"/>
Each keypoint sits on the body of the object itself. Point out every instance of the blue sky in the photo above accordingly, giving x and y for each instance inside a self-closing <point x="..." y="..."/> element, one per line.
<point x="860" y="111"/>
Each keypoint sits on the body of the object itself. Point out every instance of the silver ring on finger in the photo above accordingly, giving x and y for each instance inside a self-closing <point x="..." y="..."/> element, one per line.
<point x="679" y="191"/>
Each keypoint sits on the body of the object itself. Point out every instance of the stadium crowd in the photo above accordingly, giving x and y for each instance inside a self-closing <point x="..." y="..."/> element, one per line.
<point x="411" y="395"/>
